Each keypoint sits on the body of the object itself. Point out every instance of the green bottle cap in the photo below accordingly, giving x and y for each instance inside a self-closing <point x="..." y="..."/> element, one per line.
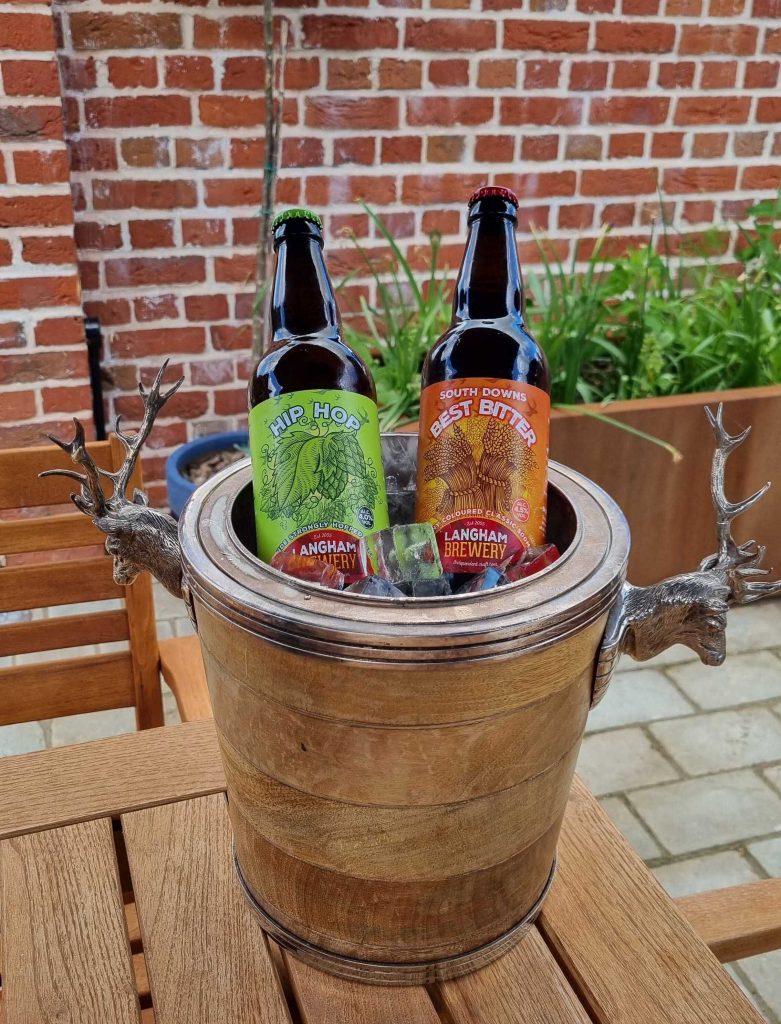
<point x="296" y="214"/>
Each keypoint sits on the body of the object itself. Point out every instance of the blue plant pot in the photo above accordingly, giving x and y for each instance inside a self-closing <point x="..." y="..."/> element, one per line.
<point x="179" y="486"/>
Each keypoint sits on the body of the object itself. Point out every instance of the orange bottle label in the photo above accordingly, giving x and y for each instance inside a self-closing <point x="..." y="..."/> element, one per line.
<point x="483" y="469"/>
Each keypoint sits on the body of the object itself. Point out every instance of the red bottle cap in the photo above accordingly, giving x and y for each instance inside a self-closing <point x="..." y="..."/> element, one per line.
<point x="493" y="190"/>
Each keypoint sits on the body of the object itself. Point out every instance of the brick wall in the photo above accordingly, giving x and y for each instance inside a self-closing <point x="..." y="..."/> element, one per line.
<point x="43" y="365"/>
<point x="582" y="105"/>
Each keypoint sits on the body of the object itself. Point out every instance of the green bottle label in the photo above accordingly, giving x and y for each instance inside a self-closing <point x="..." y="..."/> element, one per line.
<point x="317" y="475"/>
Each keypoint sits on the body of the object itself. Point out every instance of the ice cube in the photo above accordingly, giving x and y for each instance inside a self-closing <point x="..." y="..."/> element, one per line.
<point x="439" y="587"/>
<point x="488" y="579"/>
<point x="417" y="551"/>
<point x="533" y="561"/>
<point x="306" y="567"/>
<point x="382" y="552"/>
<point x="375" y="586"/>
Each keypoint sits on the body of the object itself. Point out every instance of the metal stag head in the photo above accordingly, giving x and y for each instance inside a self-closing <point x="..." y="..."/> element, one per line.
<point x="138" y="537"/>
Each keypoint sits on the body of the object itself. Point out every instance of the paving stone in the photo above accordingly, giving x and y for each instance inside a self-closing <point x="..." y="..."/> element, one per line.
<point x="773" y="776"/>
<point x="165" y="629"/>
<point x="722" y="740"/>
<point x="635" y="697"/>
<point x="92" y="726"/>
<point x="166" y="605"/>
<point x="697" y="814"/>
<point x="610" y="762"/>
<point x="701" y="874"/>
<point x="631" y="828"/>
<point x="768" y="853"/>
<point x="754" y="627"/>
<point x="170" y="710"/>
<point x="21" y="738"/>
<point x="742" y="678"/>
<point x="764" y="977"/>
<point x="183" y="627"/>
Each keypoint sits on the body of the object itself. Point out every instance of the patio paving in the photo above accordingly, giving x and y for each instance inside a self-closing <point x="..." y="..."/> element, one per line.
<point x="685" y="759"/>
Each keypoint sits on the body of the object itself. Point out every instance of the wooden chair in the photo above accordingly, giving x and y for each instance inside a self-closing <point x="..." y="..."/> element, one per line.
<point x="739" y="921"/>
<point x="54" y="556"/>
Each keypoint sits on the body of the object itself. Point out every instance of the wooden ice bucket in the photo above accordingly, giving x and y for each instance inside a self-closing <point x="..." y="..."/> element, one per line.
<point x="398" y="770"/>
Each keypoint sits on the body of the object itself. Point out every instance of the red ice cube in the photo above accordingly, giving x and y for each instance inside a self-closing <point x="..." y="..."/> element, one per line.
<point x="306" y="567"/>
<point x="534" y="560"/>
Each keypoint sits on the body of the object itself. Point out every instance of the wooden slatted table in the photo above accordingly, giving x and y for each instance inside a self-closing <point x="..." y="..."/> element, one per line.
<point x="118" y="904"/>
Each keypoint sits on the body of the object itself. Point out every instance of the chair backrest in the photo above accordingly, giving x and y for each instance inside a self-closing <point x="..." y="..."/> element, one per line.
<point x="54" y="557"/>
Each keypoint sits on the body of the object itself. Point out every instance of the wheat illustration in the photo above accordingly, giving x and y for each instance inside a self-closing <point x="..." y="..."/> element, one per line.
<point x="450" y="459"/>
<point x="504" y="453"/>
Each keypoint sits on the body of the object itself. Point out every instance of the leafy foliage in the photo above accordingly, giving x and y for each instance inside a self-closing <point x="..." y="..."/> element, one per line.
<point x="651" y="322"/>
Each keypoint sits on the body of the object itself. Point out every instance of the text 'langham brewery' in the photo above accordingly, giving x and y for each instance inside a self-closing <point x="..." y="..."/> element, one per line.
<point x="321" y="509"/>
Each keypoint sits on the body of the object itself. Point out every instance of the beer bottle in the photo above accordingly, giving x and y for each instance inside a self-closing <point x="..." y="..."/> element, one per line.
<point x="314" y="433"/>
<point x="485" y="406"/>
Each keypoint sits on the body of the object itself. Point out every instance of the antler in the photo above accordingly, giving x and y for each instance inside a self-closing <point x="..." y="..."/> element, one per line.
<point x="133" y="443"/>
<point x="92" y="500"/>
<point x="738" y="564"/>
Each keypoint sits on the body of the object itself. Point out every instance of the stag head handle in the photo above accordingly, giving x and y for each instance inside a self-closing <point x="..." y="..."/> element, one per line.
<point x="138" y="537"/>
<point x="691" y="609"/>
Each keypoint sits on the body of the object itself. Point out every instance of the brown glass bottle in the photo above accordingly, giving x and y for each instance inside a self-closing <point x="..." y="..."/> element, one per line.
<point x="485" y="405"/>
<point x="314" y="433"/>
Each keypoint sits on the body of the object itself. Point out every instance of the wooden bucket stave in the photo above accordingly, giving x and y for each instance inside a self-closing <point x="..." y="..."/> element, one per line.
<point x="396" y="806"/>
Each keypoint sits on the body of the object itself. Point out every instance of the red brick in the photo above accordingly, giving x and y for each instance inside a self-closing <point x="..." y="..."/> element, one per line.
<point x="28" y="211"/>
<point x="494" y="148"/>
<point x="404" y="149"/>
<point x="130" y="72"/>
<point x="24" y="124"/>
<point x="631" y="74"/>
<point x="17" y="405"/>
<point x="761" y="74"/>
<point x="766" y="8"/>
<point x="679" y="74"/>
<point x="78" y="73"/>
<point x="6" y="257"/>
<point x="618" y="182"/>
<point x="626" y="145"/>
<point x="89" y="274"/>
<point x="348" y="224"/>
<point x="457" y="34"/>
<point x="200" y="153"/>
<point x="630" y="110"/>
<point x="541" y="74"/>
<point x="726" y="8"/>
<point x="49" y="249"/>
<point x="635" y="37"/>
<point x="445" y="149"/>
<point x="146" y="152"/>
<point x="540" y="147"/>
<point x="769" y="110"/>
<point x="11" y="335"/>
<point x="243" y="33"/>
<point x="542" y="110"/>
<point x="194" y="73"/>
<point x="245" y="230"/>
<point x="72" y="399"/>
<point x="355" y="113"/>
<point x="155" y="194"/>
<point x="31" y="78"/>
<point x="230" y="401"/>
<point x="644" y="8"/>
<point x="713" y="110"/>
<point x="233" y="191"/>
<point x="497" y="74"/>
<point x="768" y="177"/>
<point x="303" y="152"/>
<point x="400" y="74"/>
<point x="345" y="32"/>
<point x="353" y="151"/>
<point x="709" y="145"/>
<point x="26" y="31"/>
<point x="38" y="167"/>
<point x="350" y="73"/>
<point x="667" y="144"/>
<point x="92" y="154"/>
<point x="244" y="306"/>
<point x="146" y="270"/>
<point x="110" y="313"/>
<point x="439" y="188"/>
<point x="137" y="111"/>
<point x="749" y="143"/>
<point x="60" y="330"/>
<point x="773" y="41"/>
<point x="103" y="31"/>
<point x="248" y="152"/>
<point x="239" y="268"/>
<point x="683" y="8"/>
<point x="214" y="371"/>
<point x="741" y="39"/>
<point x="226" y="338"/>
<point x="596" y="6"/>
<point x="148" y="308"/>
<point x="540" y="185"/>
<point x="448" y="73"/>
<point x="699" y="179"/>
<point x="189" y="404"/>
<point x="302" y="72"/>
<point x="203" y="232"/>
<point x="232" y="111"/>
<point x="151" y="234"/>
<point x="557" y="36"/>
<point x="588" y="75"/>
<point x="577" y="216"/>
<point x="583" y="147"/>
<point x="36" y="367"/>
<point x="206" y="307"/>
<point x="158" y="341"/>
<point x="698" y="211"/>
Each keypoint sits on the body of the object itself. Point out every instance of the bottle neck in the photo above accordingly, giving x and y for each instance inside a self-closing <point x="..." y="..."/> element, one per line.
<point x="303" y="304"/>
<point x="489" y="284"/>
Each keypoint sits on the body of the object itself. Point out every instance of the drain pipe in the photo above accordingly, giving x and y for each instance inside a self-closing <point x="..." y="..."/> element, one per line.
<point x="94" y="348"/>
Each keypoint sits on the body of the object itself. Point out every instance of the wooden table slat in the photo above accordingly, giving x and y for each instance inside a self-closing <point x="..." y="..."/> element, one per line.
<point x="66" y="950"/>
<point x="739" y="921"/>
<point x="50" y="788"/>
<point x="629" y="953"/>
<point x="525" y="986"/>
<point x="324" y="999"/>
<point x="206" y="956"/>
